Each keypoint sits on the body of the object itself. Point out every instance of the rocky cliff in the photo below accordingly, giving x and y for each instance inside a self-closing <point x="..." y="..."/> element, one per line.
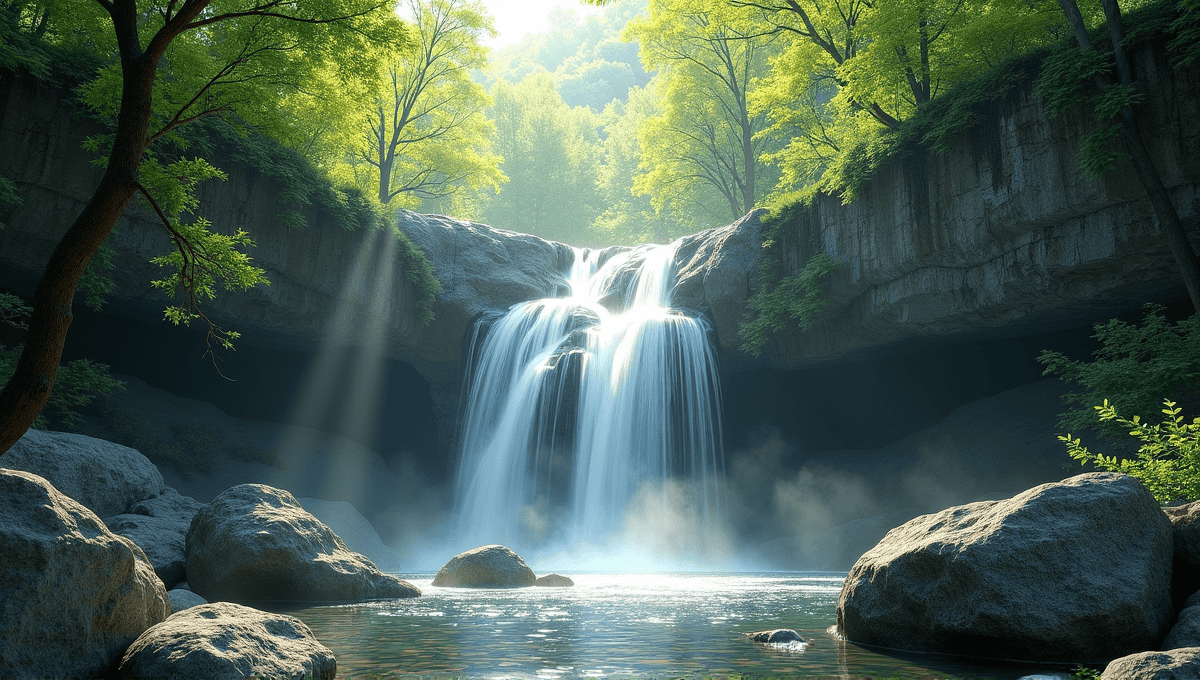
<point x="999" y="237"/>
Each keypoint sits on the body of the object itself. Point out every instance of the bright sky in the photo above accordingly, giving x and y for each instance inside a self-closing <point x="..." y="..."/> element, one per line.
<point x="515" y="18"/>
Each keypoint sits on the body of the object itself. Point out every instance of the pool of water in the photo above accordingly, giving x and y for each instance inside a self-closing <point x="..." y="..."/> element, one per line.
<point x="615" y="626"/>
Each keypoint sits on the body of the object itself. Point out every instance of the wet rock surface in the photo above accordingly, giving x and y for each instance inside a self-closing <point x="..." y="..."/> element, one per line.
<point x="1021" y="578"/>
<point x="553" y="581"/>
<point x="779" y="636"/>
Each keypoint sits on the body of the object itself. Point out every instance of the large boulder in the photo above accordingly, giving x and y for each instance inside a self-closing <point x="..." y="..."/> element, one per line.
<point x="107" y="478"/>
<point x="490" y="566"/>
<point x="73" y="595"/>
<point x="170" y="504"/>
<point x="356" y="531"/>
<point x="1185" y="521"/>
<point x="223" y="641"/>
<point x="1185" y="632"/>
<point x="162" y="539"/>
<point x="1176" y="664"/>
<point x="1077" y="571"/>
<point x="255" y="543"/>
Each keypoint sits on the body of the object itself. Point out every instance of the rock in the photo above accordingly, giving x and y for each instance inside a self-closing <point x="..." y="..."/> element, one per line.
<point x="73" y="595"/>
<point x="255" y="543"/>
<point x="716" y="270"/>
<point x="162" y="539"/>
<point x="356" y="532"/>
<point x="1185" y="632"/>
<point x="553" y="581"/>
<point x="225" y="641"/>
<point x="490" y="566"/>
<point x="182" y="598"/>
<point x="779" y="636"/>
<point x="1077" y="571"/>
<point x="1185" y="521"/>
<point x="107" y="478"/>
<point x="170" y="504"/>
<point x="1176" y="664"/>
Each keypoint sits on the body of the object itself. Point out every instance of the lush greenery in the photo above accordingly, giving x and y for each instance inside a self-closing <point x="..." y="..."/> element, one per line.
<point x="79" y="381"/>
<point x="1168" y="460"/>
<point x="1136" y="367"/>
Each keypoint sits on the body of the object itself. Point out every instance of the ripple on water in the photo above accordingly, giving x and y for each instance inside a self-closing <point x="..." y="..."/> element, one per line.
<point x="612" y="626"/>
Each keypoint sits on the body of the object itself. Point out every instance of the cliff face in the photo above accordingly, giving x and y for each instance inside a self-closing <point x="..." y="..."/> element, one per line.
<point x="328" y="286"/>
<point x="999" y="237"/>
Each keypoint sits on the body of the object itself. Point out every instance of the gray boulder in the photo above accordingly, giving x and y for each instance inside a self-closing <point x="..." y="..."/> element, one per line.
<point x="1185" y="521"/>
<point x="1185" y="632"/>
<point x="170" y="504"/>
<point x="356" y="532"/>
<point x="162" y="539"/>
<point x="182" y="598"/>
<point x="716" y="269"/>
<point x="224" y="641"/>
<point x="779" y="636"/>
<point x="490" y="566"/>
<point x="73" y="595"/>
<point x="107" y="478"/>
<point x="1077" y="571"/>
<point x="1176" y="664"/>
<point x="553" y="581"/>
<point x="255" y="543"/>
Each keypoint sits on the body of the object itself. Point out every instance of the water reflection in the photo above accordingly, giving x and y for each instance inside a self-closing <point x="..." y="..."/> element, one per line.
<point x="606" y="626"/>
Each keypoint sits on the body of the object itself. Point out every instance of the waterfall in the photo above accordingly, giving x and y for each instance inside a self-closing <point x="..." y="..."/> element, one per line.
<point x="575" y="404"/>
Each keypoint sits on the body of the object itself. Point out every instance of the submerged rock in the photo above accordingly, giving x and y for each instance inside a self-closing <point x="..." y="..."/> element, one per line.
<point x="106" y="478"/>
<point x="1176" y="664"/>
<point x="490" y="566"/>
<point x="1076" y="571"/>
<point x="553" y="581"/>
<point x="73" y="595"/>
<point x="225" y="641"/>
<point x="256" y="543"/>
<point x="779" y="636"/>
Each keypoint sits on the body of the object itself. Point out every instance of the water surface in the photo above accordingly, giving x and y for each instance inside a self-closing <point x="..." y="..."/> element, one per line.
<point x="614" y="626"/>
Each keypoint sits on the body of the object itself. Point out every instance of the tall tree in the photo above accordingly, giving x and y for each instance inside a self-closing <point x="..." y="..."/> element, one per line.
<point x="706" y="139"/>
<point x="1116" y="98"/>
<point x="550" y="155"/>
<point x="175" y="62"/>
<point x="428" y="134"/>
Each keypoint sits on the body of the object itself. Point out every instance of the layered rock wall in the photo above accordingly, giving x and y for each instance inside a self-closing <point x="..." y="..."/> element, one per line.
<point x="1000" y="236"/>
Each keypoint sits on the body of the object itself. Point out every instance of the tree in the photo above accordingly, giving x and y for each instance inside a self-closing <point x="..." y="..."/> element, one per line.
<point x="175" y="63"/>
<point x="706" y="139"/>
<point x="550" y="153"/>
<point x="427" y="132"/>
<point x="1116" y="99"/>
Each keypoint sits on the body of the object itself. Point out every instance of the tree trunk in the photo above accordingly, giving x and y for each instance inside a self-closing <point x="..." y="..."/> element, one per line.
<point x="26" y="393"/>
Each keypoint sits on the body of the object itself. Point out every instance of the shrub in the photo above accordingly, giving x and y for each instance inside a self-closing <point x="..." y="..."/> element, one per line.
<point x="1168" y="460"/>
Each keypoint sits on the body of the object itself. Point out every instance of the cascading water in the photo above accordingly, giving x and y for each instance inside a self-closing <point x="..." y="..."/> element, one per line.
<point x="577" y="404"/>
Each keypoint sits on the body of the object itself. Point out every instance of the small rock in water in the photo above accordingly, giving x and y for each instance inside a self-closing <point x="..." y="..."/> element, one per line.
<point x="553" y="581"/>
<point x="779" y="636"/>
<point x="490" y="566"/>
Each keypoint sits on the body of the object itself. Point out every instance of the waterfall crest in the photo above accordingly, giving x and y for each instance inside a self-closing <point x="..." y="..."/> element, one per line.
<point x="576" y="404"/>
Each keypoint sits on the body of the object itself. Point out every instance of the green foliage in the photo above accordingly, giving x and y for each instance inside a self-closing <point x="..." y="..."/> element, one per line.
<point x="1136" y="368"/>
<point x="77" y="383"/>
<point x="95" y="284"/>
<point x="1085" y="673"/>
<point x="8" y="194"/>
<point x="1168" y="460"/>
<point x="780" y="302"/>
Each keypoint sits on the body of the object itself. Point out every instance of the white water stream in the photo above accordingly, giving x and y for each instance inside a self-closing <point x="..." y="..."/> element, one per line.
<point x="582" y="406"/>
